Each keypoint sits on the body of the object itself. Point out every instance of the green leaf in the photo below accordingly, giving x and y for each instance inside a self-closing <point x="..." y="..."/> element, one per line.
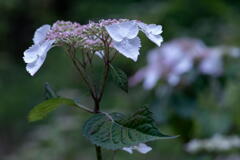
<point x="119" y="78"/>
<point x="42" y="109"/>
<point x="115" y="131"/>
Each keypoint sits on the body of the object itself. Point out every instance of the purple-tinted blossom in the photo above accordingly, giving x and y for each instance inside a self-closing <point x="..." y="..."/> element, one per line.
<point x="179" y="56"/>
<point x="211" y="63"/>
<point x="83" y="36"/>
<point x="169" y="62"/>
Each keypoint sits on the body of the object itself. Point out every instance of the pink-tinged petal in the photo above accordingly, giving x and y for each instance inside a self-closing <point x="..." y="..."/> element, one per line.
<point x="41" y="33"/>
<point x="137" y="77"/>
<point x="128" y="47"/>
<point x="122" y="30"/>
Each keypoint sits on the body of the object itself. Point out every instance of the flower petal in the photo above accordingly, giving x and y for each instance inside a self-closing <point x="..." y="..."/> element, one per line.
<point x="143" y="148"/>
<point x="150" y="28"/>
<point x="41" y="33"/>
<point x="128" y="149"/>
<point x="183" y="66"/>
<point x="45" y="47"/>
<point x="41" y="52"/>
<point x="157" y="39"/>
<point x="212" y="64"/>
<point x="153" y="74"/>
<point x="32" y="68"/>
<point x="152" y="31"/>
<point x="100" y="54"/>
<point x="128" y="47"/>
<point x="30" y="55"/>
<point x="173" y="79"/>
<point x="123" y="30"/>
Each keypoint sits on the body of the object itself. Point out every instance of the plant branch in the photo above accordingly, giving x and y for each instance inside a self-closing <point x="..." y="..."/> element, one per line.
<point x="80" y="69"/>
<point x="105" y="77"/>
<point x="82" y="107"/>
<point x="106" y="70"/>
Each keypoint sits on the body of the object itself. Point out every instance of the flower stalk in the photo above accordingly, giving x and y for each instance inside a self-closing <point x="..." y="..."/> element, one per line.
<point x="95" y="95"/>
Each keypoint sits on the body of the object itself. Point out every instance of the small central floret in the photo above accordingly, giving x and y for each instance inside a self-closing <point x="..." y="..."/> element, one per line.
<point x="90" y="35"/>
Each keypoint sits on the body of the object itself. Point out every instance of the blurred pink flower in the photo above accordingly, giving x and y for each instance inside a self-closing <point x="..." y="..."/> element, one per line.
<point x="179" y="56"/>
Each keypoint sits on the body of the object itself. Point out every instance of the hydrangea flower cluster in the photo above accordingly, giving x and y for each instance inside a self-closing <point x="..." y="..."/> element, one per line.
<point x="179" y="56"/>
<point x="121" y="35"/>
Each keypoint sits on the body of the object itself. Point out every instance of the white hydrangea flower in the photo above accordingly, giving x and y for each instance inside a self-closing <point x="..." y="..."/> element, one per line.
<point x="123" y="35"/>
<point x="152" y="31"/>
<point x="120" y="31"/>
<point x="129" y="47"/>
<point x="193" y="146"/>
<point x="217" y="143"/>
<point x="125" y="39"/>
<point x="36" y="54"/>
<point x="141" y="148"/>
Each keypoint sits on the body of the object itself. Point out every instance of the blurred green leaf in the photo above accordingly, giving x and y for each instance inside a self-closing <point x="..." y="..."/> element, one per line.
<point x="119" y="78"/>
<point x="42" y="109"/>
<point x="115" y="131"/>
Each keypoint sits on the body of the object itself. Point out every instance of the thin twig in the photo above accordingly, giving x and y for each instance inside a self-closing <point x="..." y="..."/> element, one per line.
<point x="82" y="107"/>
<point x="79" y="68"/>
<point x="106" y="70"/>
